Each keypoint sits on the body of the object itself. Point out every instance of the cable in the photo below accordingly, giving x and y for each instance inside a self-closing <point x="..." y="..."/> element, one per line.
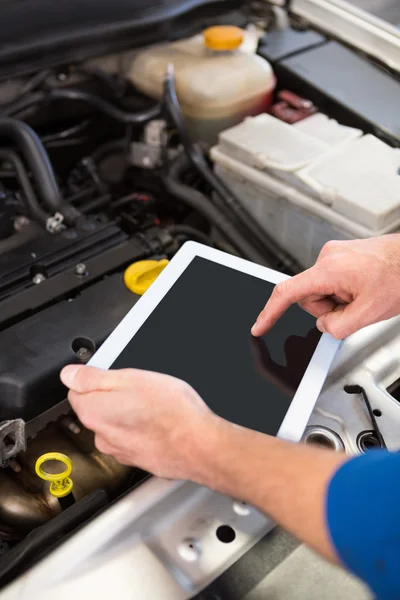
<point x="31" y="85"/>
<point x="66" y="133"/>
<point x="112" y="84"/>
<point x="13" y="108"/>
<point x="107" y="108"/>
<point x="29" y="197"/>
<point x="190" y="233"/>
<point x="96" y="204"/>
<point x="77" y="95"/>
<point x="38" y="162"/>
<point x="66" y="143"/>
<point x="34" y="82"/>
<point x="227" y="200"/>
<point x="197" y="201"/>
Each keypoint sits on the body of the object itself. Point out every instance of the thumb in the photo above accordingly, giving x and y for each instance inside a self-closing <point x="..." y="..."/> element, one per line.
<point x="84" y="379"/>
<point x="341" y="322"/>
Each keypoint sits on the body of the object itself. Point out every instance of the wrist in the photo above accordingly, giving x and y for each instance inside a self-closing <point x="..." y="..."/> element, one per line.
<point x="221" y="459"/>
<point x="208" y="460"/>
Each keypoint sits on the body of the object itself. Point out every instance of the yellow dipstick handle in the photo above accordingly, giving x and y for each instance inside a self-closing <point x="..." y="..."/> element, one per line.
<point x="140" y="275"/>
<point x="60" y="483"/>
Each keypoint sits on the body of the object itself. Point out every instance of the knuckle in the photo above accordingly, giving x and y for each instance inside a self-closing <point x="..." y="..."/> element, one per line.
<point x="336" y="330"/>
<point x="330" y="247"/>
<point x="328" y="263"/>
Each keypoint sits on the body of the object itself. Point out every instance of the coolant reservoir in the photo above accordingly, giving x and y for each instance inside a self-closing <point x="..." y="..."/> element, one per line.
<point x="219" y="80"/>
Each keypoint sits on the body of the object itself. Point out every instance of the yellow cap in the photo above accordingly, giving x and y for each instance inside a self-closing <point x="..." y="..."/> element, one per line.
<point x="140" y="275"/>
<point x="60" y="483"/>
<point x="223" y="38"/>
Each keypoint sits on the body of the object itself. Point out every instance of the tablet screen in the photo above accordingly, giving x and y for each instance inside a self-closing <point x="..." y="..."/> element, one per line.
<point x="200" y="332"/>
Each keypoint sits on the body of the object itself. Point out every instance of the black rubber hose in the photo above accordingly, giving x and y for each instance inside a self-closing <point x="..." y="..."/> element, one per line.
<point x="107" y="108"/>
<point x="96" y="204"/>
<point x="29" y="197"/>
<point x="112" y="84"/>
<point x="275" y="255"/>
<point x="190" y="233"/>
<point x="36" y="158"/>
<point x="197" y="201"/>
<point x="128" y="118"/>
<point x="45" y="535"/>
<point x="24" y="103"/>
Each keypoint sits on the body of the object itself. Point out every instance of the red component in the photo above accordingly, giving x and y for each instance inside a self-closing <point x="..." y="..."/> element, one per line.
<point x="283" y="112"/>
<point x="294" y="100"/>
<point x="157" y="221"/>
<point x="291" y="108"/>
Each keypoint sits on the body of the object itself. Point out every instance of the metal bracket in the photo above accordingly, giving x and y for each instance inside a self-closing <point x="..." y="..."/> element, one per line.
<point x="54" y="224"/>
<point x="12" y="440"/>
<point x="148" y="153"/>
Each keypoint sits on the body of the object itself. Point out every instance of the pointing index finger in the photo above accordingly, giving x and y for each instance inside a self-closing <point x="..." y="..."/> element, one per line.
<point x="310" y="282"/>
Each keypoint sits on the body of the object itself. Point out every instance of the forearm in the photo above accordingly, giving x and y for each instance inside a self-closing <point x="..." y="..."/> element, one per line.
<point x="286" y="481"/>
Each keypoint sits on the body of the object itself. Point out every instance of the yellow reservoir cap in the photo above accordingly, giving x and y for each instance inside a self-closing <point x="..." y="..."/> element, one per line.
<point x="223" y="38"/>
<point x="60" y="483"/>
<point x="140" y="275"/>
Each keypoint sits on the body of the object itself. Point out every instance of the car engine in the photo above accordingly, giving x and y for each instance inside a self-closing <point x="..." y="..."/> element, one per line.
<point x="93" y="178"/>
<point x="95" y="175"/>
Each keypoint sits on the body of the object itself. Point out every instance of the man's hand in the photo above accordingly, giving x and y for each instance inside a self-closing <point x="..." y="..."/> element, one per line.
<point x="149" y="420"/>
<point x="353" y="284"/>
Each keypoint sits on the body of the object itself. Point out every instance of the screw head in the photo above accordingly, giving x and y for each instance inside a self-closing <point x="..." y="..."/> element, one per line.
<point x="20" y="222"/>
<point x="84" y="354"/>
<point x="38" y="278"/>
<point x="80" y="269"/>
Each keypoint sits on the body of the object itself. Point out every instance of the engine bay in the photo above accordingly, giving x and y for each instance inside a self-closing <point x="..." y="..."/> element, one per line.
<point x="96" y="175"/>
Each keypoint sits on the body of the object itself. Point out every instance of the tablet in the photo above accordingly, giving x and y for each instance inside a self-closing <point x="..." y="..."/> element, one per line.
<point x="194" y="323"/>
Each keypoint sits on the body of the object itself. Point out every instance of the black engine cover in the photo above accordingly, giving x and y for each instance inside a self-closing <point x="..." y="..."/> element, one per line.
<point x="33" y="352"/>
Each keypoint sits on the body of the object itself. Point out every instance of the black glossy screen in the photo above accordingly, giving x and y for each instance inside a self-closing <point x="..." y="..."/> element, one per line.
<point x="200" y="332"/>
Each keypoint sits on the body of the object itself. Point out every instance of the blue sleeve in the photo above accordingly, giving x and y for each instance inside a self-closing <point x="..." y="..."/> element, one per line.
<point x="363" y="514"/>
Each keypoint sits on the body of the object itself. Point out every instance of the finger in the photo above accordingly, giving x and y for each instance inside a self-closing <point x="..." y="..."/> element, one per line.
<point x="343" y="321"/>
<point x="84" y="406"/>
<point x="94" y="409"/>
<point x="311" y="282"/>
<point x="318" y="305"/>
<point x="84" y="379"/>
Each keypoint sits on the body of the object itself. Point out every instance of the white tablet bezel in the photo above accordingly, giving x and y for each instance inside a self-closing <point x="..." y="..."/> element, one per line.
<point x="302" y="405"/>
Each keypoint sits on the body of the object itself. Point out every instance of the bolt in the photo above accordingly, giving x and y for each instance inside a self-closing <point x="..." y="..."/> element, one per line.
<point x="72" y="426"/>
<point x="38" y="278"/>
<point x="62" y="76"/>
<point x="80" y="269"/>
<point x="84" y="354"/>
<point x="15" y="466"/>
<point x="20" y="222"/>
